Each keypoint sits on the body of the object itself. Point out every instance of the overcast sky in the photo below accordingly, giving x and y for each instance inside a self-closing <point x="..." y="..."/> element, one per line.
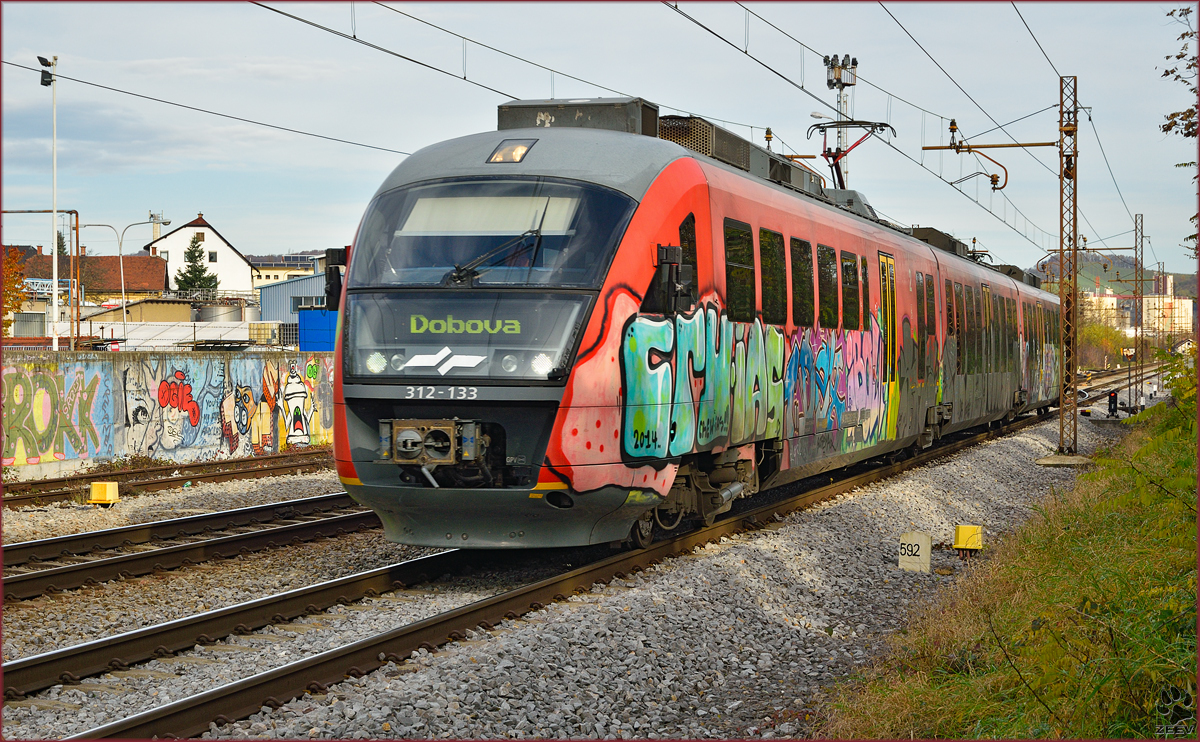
<point x="270" y="191"/>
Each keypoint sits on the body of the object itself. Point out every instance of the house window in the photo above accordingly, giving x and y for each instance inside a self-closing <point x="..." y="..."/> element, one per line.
<point x="307" y="302"/>
<point x="166" y="256"/>
<point x="212" y="256"/>
<point x="199" y="237"/>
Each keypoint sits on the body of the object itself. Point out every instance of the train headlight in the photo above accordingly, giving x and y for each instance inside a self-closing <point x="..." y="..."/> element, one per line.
<point x="376" y="363"/>
<point x="509" y="363"/>
<point x="398" y="361"/>
<point x="542" y="364"/>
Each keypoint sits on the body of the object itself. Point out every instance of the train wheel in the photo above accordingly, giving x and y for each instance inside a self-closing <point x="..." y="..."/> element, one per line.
<point x="642" y="532"/>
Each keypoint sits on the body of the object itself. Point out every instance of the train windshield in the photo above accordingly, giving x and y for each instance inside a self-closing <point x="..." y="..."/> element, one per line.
<point x="446" y="335"/>
<point x="491" y="232"/>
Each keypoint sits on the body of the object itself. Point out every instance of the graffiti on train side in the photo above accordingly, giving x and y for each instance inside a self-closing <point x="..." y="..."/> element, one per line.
<point x="699" y="380"/>
<point x="179" y="407"/>
<point x="55" y="412"/>
<point x="696" y="380"/>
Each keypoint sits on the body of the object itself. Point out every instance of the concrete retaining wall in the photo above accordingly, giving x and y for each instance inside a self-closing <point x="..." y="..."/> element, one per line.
<point x="65" y="411"/>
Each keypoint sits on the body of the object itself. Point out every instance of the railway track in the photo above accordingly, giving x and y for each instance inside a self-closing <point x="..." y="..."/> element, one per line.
<point x="150" y="479"/>
<point x="192" y="715"/>
<point x="33" y="568"/>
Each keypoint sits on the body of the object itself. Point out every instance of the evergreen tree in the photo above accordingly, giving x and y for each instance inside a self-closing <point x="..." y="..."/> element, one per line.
<point x="62" y="246"/>
<point x="194" y="275"/>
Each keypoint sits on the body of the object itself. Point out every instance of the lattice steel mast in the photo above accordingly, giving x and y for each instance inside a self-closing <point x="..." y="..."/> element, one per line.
<point x="1068" y="260"/>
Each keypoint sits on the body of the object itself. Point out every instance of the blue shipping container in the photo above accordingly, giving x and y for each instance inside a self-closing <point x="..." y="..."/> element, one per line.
<point x="318" y="329"/>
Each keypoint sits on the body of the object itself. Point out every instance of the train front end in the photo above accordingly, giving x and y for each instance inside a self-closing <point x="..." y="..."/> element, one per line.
<point x="468" y="290"/>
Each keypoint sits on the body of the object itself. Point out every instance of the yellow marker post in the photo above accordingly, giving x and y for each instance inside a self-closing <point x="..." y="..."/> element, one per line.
<point x="104" y="493"/>
<point x="968" y="540"/>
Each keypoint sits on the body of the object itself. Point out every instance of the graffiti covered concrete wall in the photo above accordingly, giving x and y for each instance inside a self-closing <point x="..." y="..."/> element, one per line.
<point x="64" y="411"/>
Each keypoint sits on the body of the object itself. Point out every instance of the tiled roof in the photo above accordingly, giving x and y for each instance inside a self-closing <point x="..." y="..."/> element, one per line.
<point x="103" y="272"/>
<point x="199" y="222"/>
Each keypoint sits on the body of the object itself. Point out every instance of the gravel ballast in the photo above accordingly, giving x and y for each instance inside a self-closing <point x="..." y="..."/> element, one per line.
<point x="63" y="518"/>
<point x="736" y="639"/>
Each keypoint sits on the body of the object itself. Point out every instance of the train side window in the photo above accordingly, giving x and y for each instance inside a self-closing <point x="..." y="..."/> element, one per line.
<point x="920" y="325"/>
<point x="1013" y="335"/>
<point x="985" y="307"/>
<point x="959" y="325"/>
<point x="803" y="303"/>
<point x="850" y="301"/>
<point x="866" y="289"/>
<point x="977" y="295"/>
<point x="997" y="338"/>
<point x="949" y="308"/>
<point x="1006" y="346"/>
<point x="740" y="291"/>
<point x="774" y="277"/>
<point x="930" y="309"/>
<point x="687" y="239"/>
<point x="827" y="286"/>
<point x="1041" y="328"/>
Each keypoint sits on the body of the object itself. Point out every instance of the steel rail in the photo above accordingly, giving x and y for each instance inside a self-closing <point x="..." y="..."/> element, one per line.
<point x="67" y="488"/>
<point x="73" y="481"/>
<point x="191" y="716"/>
<point x="38" y="672"/>
<point x="32" y="584"/>
<point x="141" y="533"/>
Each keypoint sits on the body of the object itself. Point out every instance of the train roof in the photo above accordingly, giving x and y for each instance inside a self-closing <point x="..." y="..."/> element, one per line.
<point x="623" y="162"/>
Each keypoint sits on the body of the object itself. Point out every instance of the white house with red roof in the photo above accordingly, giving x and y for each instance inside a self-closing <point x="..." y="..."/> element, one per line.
<point x="232" y="269"/>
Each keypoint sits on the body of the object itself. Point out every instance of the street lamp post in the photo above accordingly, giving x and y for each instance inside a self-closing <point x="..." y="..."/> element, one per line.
<point x="121" y="262"/>
<point x="50" y="79"/>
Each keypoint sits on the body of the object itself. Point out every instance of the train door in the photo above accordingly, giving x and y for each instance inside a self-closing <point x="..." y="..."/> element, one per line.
<point x="887" y="316"/>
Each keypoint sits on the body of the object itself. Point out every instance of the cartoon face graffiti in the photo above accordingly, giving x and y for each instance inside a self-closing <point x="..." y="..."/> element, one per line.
<point x="141" y="434"/>
<point x="243" y="408"/>
<point x="295" y="394"/>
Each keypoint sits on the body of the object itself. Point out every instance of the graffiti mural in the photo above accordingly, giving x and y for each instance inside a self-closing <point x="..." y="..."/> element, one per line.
<point x="55" y="412"/>
<point x="74" y="407"/>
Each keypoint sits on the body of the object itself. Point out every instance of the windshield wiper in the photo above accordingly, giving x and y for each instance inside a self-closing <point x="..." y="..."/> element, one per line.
<point x="465" y="274"/>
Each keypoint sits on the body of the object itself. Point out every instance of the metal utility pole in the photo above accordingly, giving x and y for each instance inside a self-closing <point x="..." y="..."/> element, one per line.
<point x="50" y="79"/>
<point x="839" y="76"/>
<point x="1068" y="260"/>
<point x="1138" y="297"/>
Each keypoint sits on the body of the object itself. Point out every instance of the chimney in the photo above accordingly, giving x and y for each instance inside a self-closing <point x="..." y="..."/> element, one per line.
<point x="39" y="249"/>
<point x="153" y="249"/>
<point x="82" y="250"/>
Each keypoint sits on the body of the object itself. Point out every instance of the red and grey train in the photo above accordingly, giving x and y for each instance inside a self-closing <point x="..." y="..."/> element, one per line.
<point x="596" y="321"/>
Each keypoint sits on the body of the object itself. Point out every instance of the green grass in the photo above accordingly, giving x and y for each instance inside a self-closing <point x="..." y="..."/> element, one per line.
<point x="1081" y="624"/>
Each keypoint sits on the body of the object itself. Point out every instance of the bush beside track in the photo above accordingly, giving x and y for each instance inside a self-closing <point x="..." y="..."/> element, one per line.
<point x="1082" y="624"/>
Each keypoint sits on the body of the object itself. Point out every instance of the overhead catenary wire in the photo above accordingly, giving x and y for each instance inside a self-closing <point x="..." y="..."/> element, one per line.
<point x="376" y="47"/>
<point x="858" y="77"/>
<point x="981" y="108"/>
<point x="208" y="111"/>
<point x="886" y="143"/>
<point x="1035" y="39"/>
<point x="1089" y="115"/>
<point x="551" y="70"/>
<point x="962" y="89"/>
